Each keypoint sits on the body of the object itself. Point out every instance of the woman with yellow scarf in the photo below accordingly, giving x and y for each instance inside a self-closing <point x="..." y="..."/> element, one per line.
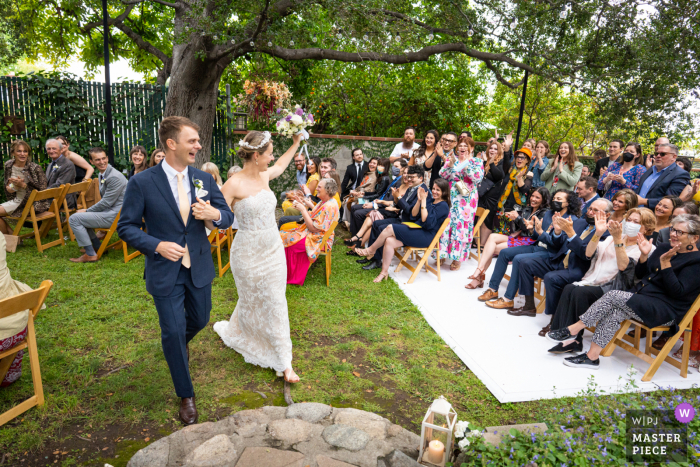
<point x="514" y="196"/>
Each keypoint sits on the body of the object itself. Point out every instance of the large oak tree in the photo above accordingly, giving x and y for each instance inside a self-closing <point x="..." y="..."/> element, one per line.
<point x="632" y="56"/>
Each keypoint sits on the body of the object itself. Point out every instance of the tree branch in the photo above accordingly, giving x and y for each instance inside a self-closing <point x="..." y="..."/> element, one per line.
<point x="162" y="2"/>
<point x="146" y="46"/>
<point x="500" y="77"/>
<point x="421" y="24"/>
<point x="111" y="21"/>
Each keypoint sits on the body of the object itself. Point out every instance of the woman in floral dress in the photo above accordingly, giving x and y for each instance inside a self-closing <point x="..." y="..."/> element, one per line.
<point x="455" y="242"/>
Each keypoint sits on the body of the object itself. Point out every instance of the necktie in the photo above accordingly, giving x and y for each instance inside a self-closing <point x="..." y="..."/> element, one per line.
<point x="585" y="234"/>
<point x="184" y="212"/>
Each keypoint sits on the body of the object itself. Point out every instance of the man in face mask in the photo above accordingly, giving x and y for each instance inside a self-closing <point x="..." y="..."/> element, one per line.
<point x="567" y="265"/>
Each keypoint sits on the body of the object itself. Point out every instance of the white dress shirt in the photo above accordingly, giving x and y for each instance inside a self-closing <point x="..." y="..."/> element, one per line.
<point x="358" y="167"/>
<point x="171" y="175"/>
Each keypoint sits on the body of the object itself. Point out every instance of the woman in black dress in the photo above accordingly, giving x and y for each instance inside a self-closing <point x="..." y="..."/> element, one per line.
<point x="496" y="166"/>
<point x="516" y="186"/>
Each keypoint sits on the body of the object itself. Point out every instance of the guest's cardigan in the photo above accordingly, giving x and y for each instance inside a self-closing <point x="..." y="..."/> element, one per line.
<point x="36" y="180"/>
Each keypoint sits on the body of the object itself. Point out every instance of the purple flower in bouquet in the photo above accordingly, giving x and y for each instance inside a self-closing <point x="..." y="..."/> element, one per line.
<point x="311" y="118"/>
<point x="300" y="111"/>
<point x="279" y="110"/>
<point x="288" y="118"/>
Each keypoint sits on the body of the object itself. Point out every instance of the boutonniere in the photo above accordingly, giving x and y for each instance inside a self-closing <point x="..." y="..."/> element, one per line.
<point x="201" y="192"/>
<point x="55" y="167"/>
<point x="103" y="181"/>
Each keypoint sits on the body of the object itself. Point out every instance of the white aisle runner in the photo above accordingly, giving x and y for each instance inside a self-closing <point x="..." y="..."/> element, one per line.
<point x="506" y="353"/>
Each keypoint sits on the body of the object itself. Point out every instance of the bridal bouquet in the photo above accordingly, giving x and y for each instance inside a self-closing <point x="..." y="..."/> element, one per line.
<point x="294" y="122"/>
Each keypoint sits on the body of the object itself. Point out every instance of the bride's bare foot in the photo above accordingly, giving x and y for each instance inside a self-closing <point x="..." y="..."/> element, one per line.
<point x="290" y="376"/>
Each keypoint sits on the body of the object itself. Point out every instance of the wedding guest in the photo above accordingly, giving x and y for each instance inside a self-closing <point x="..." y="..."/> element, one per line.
<point x="614" y="151"/>
<point x="83" y="170"/>
<point x="22" y="176"/>
<point x="430" y="218"/>
<point x="353" y="173"/>
<point x="625" y="173"/>
<point x="156" y="156"/>
<point x="112" y="185"/>
<point x="61" y="170"/>
<point x="664" y="214"/>
<point x="623" y="201"/>
<point x="586" y="190"/>
<point x="598" y="154"/>
<point x="685" y="208"/>
<point x="396" y="168"/>
<point x="139" y="160"/>
<point x="426" y="149"/>
<point x="660" y="298"/>
<point x="301" y="254"/>
<point x="300" y="165"/>
<point x="585" y="171"/>
<point x="464" y="172"/>
<point x="309" y="188"/>
<point x="368" y="183"/>
<point x="564" y="170"/>
<point x="383" y="176"/>
<point x="612" y="268"/>
<point x="492" y="185"/>
<point x="519" y="235"/>
<point x="664" y="177"/>
<point x="213" y="170"/>
<point x="404" y="149"/>
<point x="514" y="195"/>
<point x="684" y="163"/>
<point x="539" y="162"/>
<point x="467" y="134"/>
<point x="444" y="148"/>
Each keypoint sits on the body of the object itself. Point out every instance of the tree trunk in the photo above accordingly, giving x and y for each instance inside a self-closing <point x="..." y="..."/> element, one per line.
<point x="193" y="93"/>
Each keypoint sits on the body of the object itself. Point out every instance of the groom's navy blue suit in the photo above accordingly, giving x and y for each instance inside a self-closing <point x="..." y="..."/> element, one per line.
<point x="182" y="295"/>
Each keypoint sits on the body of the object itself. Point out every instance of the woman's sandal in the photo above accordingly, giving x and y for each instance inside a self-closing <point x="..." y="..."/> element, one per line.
<point x="363" y="252"/>
<point x="479" y="282"/>
<point x="455" y="265"/>
<point x="476" y="276"/>
<point x="380" y="277"/>
<point x="350" y="241"/>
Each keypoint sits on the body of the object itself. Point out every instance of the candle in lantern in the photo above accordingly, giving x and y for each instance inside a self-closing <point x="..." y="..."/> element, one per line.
<point x="436" y="452"/>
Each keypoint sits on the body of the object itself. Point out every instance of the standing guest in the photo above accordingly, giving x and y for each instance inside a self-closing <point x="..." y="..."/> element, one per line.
<point x="301" y="254"/>
<point x="661" y="141"/>
<point x="598" y="154"/>
<point x="585" y="172"/>
<point x="664" y="214"/>
<point x="539" y="162"/>
<point x="614" y="152"/>
<point x="61" y="170"/>
<point x="660" y="298"/>
<point x="623" y="201"/>
<point x="685" y="208"/>
<point x="519" y="235"/>
<point x="684" y="163"/>
<point x="464" y="172"/>
<point x="300" y="165"/>
<point x="612" y="268"/>
<point x="139" y="160"/>
<point x="425" y="151"/>
<point x="405" y="149"/>
<point x="465" y="134"/>
<point x="83" y="170"/>
<point x="156" y="156"/>
<point x="232" y="171"/>
<point x="492" y="185"/>
<point x="430" y="218"/>
<point x="625" y="173"/>
<point x="100" y="215"/>
<point x="22" y="176"/>
<point x="514" y="194"/>
<point x="530" y="143"/>
<point x="213" y="170"/>
<point x="664" y="178"/>
<point x="444" y="148"/>
<point x="353" y="173"/>
<point x="586" y="190"/>
<point x="564" y="170"/>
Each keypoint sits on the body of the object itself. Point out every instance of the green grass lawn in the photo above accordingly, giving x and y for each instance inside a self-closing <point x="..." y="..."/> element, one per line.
<point x="108" y="389"/>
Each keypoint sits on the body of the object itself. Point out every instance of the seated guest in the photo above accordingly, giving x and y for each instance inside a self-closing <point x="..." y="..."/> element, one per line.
<point x="623" y="201"/>
<point x="368" y="183"/>
<point x="612" y="268"/>
<point x="661" y="298"/>
<point x="404" y="149"/>
<point x="626" y="172"/>
<point x="300" y="165"/>
<point x="22" y="176"/>
<point x="60" y="171"/>
<point x="664" y="235"/>
<point x="465" y="171"/>
<point x="570" y="262"/>
<point x="540" y="160"/>
<point x="83" y="170"/>
<point x="213" y="170"/>
<point x="585" y="172"/>
<point x="233" y="170"/>
<point x="563" y="170"/>
<point x="383" y="181"/>
<point x="139" y="160"/>
<point x="586" y="190"/>
<point x="334" y="175"/>
<point x="101" y="214"/>
<point x="430" y="219"/>
<point x="515" y="188"/>
<point x="313" y="177"/>
<point x="496" y="170"/>
<point x="519" y="234"/>
<point x="564" y="204"/>
<point x="300" y="254"/>
<point x="684" y="163"/>
<point x="396" y="167"/>
<point x="156" y="156"/>
<point x="664" y="213"/>
<point x="664" y="178"/>
<point x="425" y="151"/>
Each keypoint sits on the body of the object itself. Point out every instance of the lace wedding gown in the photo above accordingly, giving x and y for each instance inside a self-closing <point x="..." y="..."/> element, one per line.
<point x="259" y="326"/>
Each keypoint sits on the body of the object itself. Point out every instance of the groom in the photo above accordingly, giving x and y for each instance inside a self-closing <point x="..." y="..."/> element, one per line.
<point x="179" y="268"/>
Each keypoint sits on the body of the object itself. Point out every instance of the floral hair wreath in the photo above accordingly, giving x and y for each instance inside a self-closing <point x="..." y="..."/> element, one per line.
<point x="266" y="138"/>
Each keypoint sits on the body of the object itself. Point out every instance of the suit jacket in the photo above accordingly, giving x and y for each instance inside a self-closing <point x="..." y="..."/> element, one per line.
<point x="603" y="164"/>
<point x="408" y="201"/>
<point x="351" y="177"/>
<point x="671" y="182"/>
<point x="60" y="172"/>
<point x="148" y="196"/>
<point x="586" y="204"/>
<point x="112" y="191"/>
<point x="545" y="237"/>
<point x="579" y="263"/>
<point x="379" y="189"/>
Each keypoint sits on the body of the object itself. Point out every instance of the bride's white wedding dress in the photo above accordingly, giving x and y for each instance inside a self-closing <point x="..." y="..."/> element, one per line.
<point x="259" y="326"/>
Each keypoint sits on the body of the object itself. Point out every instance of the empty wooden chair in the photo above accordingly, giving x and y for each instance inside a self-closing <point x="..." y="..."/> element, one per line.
<point x="46" y="218"/>
<point x="481" y="213"/>
<point x="217" y="241"/>
<point x="32" y="301"/>
<point x="119" y="244"/>
<point x="423" y="258"/>
<point x="81" y="189"/>
<point x="326" y="251"/>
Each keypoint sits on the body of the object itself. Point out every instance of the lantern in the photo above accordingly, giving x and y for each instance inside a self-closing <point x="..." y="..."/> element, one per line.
<point x="241" y="120"/>
<point x="436" y="433"/>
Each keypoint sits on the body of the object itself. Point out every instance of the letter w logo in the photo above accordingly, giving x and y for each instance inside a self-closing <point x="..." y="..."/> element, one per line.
<point x="685" y="413"/>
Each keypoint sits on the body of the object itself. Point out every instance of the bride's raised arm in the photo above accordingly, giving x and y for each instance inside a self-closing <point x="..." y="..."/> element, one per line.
<point x="282" y="163"/>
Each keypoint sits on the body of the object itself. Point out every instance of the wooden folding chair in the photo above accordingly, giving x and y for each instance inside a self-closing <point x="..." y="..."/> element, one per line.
<point x="105" y="245"/>
<point x="424" y="258"/>
<point x="325" y="251"/>
<point x="481" y="213"/>
<point x="32" y="301"/>
<point x="46" y="218"/>
<point x="217" y="241"/>
<point x="650" y="355"/>
<point x="540" y="292"/>
<point x="81" y="189"/>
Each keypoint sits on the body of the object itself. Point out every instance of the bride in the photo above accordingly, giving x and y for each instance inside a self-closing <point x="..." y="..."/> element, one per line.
<point x="259" y="326"/>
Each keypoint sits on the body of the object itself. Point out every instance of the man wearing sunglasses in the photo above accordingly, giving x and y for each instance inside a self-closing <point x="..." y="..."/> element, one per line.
<point x="665" y="177"/>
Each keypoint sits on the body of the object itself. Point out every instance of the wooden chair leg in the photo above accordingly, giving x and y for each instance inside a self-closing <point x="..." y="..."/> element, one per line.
<point x="328" y="269"/>
<point x="418" y="268"/>
<point x="5" y="365"/>
<point x="637" y="336"/>
<point x="34" y="361"/>
<point x="686" y="353"/>
<point x="661" y="357"/>
<point x="647" y="341"/>
<point x="608" y="350"/>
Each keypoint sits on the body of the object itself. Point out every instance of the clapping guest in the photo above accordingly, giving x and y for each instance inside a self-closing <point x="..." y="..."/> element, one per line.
<point x="139" y="160"/>
<point x="623" y="201"/>
<point x="61" y="170"/>
<point x="309" y="188"/>
<point x="156" y="156"/>
<point x="685" y="208"/>
<point x="539" y="162"/>
<point x="564" y="170"/>
<point x="301" y="254"/>
<point x="614" y="151"/>
<point x="383" y="175"/>
<point x="514" y="195"/>
<point x="404" y="149"/>
<point x="425" y="151"/>
<point x="661" y="298"/>
<point x="22" y="176"/>
<point x="83" y="170"/>
<point x="464" y="172"/>
<point x="625" y="173"/>
<point x="496" y="168"/>
<point x="430" y="217"/>
<point x="444" y="148"/>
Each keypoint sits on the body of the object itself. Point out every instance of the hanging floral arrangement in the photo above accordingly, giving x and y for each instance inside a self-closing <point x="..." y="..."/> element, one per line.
<point x="263" y="98"/>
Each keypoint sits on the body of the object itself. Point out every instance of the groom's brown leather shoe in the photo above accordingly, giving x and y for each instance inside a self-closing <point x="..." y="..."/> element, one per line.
<point x="188" y="411"/>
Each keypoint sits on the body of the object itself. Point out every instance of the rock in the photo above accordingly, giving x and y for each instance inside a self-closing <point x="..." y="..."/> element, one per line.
<point x="394" y="430"/>
<point x="292" y="431"/>
<point x="251" y="429"/>
<point x="346" y="437"/>
<point x="370" y="423"/>
<point x="153" y="455"/>
<point x="494" y="434"/>
<point x="270" y="457"/>
<point x="275" y="413"/>
<point x="310" y="412"/>
<point x="217" y="452"/>
<point x="325" y="461"/>
<point x="399" y="459"/>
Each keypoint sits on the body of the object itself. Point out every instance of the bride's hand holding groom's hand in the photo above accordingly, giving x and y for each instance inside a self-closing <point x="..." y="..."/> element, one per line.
<point x="204" y="211"/>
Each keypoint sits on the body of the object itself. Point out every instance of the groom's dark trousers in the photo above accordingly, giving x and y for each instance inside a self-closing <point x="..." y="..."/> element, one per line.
<point x="182" y="295"/>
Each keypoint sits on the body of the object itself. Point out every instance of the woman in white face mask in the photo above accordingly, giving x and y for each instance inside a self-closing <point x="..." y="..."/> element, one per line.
<point x="612" y="268"/>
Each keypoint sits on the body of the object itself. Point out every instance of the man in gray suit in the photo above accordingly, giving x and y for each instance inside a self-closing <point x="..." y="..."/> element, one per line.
<point x="61" y="170"/>
<point x="101" y="215"/>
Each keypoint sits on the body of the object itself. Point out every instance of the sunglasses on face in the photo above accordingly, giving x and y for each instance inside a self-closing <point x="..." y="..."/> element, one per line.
<point x="661" y="154"/>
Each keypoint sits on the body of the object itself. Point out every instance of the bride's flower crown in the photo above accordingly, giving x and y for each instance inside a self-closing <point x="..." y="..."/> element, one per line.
<point x="266" y="138"/>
